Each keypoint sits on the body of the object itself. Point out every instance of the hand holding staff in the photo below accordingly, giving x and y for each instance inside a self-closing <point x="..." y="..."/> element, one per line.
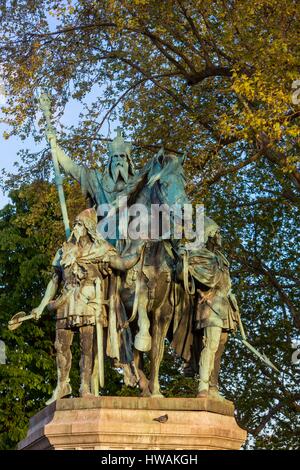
<point x="45" y="108"/>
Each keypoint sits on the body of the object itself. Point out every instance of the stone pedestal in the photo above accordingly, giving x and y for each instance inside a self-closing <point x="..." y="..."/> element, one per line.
<point x="126" y="423"/>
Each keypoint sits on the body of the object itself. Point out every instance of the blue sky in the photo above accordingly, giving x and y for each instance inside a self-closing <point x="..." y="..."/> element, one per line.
<point x="9" y="154"/>
<point x="9" y="148"/>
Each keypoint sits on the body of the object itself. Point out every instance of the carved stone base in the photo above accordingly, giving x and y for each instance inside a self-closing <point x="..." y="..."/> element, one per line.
<point x="125" y="423"/>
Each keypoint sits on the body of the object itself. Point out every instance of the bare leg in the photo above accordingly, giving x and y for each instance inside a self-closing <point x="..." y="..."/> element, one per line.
<point x="63" y="342"/>
<point x="95" y="373"/>
<point x="86" y="360"/>
<point x="143" y="381"/>
<point x="212" y="336"/>
<point x="161" y="323"/>
<point x="214" y="376"/>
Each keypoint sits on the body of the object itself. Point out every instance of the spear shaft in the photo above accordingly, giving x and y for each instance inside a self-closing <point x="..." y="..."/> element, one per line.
<point x="45" y="107"/>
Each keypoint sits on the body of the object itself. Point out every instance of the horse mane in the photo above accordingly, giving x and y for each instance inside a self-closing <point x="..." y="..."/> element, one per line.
<point x="137" y="183"/>
<point x="149" y="176"/>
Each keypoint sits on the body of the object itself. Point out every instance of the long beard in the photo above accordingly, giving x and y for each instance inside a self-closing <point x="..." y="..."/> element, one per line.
<point x="119" y="171"/>
<point x="77" y="237"/>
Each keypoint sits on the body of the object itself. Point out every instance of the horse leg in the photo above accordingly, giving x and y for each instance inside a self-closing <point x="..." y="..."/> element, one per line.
<point x="161" y="323"/>
<point x="143" y="381"/>
<point x="142" y="341"/>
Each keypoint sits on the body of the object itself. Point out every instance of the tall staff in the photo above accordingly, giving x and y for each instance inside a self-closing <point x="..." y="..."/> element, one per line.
<point x="45" y="105"/>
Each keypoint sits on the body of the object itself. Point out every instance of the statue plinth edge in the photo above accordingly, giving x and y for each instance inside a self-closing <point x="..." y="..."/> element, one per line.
<point x="130" y="423"/>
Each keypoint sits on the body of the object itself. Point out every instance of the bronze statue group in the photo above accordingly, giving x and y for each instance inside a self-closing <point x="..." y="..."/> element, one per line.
<point x="126" y="296"/>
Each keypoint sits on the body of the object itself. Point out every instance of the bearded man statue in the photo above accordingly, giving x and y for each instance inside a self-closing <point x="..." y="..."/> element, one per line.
<point x="102" y="188"/>
<point x="85" y="264"/>
<point x="210" y="312"/>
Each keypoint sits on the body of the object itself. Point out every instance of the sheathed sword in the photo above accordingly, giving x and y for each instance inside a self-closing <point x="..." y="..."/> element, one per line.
<point x="99" y="331"/>
<point x="138" y="286"/>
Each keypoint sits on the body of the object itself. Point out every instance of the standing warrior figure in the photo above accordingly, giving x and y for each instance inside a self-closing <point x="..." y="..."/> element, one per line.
<point x="101" y="188"/>
<point x="82" y="267"/>
<point x="214" y="310"/>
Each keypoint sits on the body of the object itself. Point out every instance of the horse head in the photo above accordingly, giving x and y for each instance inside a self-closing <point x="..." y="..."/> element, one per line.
<point x="160" y="186"/>
<point x="166" y="178"/>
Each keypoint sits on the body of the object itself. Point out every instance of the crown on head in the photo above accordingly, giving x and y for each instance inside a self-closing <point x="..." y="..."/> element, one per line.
<point x="118" y="146"/>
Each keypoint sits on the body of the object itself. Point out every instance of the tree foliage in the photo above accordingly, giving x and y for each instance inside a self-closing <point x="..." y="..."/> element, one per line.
<point x="31" y="230"/>
<point x="215" y="78"/>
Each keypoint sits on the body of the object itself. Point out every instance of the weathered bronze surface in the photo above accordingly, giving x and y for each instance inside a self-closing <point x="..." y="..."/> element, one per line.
<point x="124" y="299"/>
<point x="84" y="274"/>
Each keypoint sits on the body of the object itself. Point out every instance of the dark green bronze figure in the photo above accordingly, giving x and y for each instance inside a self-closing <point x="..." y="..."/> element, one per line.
<point x="216" y="312"/>
<point x="211" y="311"/>
<point x="125" y="303"/>
<point x="83" y="274"/>
<point x="101" y="187"/>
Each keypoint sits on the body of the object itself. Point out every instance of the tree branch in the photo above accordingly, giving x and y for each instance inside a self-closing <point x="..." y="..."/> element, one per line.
<point x="234" y="168"/>
<point x="267" y="418"/>
<point x="71" y="29"/>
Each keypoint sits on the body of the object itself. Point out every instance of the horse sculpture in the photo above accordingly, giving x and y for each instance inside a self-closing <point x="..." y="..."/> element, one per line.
<point x="148" y="289"/>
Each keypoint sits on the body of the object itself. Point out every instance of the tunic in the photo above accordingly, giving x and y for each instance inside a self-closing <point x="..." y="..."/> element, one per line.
<point x="100" y="189"/>
<point x="216" y="304"/>
<point x="213" y="305"/>
<point x="78" y="270"/>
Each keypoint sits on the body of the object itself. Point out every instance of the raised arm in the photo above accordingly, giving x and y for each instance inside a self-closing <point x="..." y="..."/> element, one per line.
<point x="67" y="164"/>
<point x="123" y="263"/>
<point x="49" y="295"/>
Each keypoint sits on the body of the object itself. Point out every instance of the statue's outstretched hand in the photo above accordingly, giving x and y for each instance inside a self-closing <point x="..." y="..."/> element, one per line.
<point x="51" y="135"/>
<point x="37" y="313"/>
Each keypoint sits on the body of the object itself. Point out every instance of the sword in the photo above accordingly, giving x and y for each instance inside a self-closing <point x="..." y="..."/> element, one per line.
<point x="138" y="286"/>
<point x="262" y="357"/>
<point x="99" y="332"/>
<point x="45" y="108"/>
